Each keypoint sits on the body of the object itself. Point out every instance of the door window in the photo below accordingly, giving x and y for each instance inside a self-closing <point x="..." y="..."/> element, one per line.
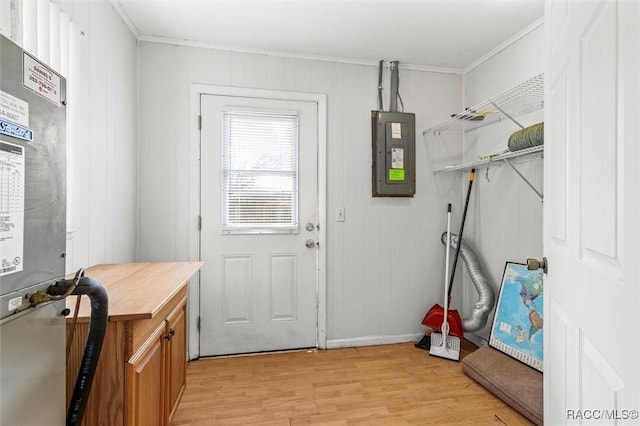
<point x="260" y="172"/>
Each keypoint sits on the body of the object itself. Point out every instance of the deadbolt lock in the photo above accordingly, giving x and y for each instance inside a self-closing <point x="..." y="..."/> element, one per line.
<point x="309" y="227"/>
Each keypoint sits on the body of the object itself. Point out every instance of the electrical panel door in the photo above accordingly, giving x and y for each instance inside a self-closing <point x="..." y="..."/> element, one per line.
<point x="394" y="149"/>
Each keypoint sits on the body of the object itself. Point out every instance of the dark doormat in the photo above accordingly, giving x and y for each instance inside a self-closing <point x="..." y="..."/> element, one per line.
<point x="515" y="383"/>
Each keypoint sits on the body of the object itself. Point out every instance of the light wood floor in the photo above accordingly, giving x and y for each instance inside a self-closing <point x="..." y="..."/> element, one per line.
<point x="374" y="385"/>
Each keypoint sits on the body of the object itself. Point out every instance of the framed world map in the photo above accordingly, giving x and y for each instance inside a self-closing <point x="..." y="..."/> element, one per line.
<point x="517" y="328"/>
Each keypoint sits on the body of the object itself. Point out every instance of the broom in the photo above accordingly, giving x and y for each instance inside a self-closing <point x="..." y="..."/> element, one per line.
<point x="445" y="345"/>
<point x="432" y="317"/>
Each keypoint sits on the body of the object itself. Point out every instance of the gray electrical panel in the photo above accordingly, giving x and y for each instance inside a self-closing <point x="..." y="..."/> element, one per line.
<point x="394" y="154"/>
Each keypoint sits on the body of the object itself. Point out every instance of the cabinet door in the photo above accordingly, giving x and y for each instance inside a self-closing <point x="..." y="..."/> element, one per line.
<point x="176" y="339"/>
<point x="145" y="382"/>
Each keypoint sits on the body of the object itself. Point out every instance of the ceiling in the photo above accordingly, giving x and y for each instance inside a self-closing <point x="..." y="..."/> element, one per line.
<point x="444" y="34"/>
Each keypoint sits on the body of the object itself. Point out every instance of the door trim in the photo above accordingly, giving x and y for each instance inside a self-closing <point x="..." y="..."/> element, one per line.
<point x="194" y="183"/>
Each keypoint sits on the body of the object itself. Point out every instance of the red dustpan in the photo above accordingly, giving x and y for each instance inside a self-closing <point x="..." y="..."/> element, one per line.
<point x="435" y="318"/>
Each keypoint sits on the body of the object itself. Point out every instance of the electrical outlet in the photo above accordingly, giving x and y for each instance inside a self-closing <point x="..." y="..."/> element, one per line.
<point x="340" y="214"/>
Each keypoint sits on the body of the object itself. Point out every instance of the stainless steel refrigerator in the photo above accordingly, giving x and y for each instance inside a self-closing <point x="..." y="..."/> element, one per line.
<point x="32" y="238"/>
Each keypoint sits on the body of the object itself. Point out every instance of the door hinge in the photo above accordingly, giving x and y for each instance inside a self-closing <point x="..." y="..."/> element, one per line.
<point x="199" y="122"/>
<point x="199" y="223"/>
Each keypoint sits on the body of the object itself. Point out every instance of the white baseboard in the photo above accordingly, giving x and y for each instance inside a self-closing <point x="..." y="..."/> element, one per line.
<point x="372" y="340"/>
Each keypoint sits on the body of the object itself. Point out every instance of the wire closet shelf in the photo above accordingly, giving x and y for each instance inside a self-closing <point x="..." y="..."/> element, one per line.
<point x="524" y="154"/>
<point x="519" y="100"/>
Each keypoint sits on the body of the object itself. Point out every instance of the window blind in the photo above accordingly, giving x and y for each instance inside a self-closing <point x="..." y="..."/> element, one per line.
<point x="260" y="171"/>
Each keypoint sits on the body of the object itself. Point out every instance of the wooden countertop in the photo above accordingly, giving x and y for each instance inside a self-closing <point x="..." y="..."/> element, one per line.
<point x="136" y="290"/>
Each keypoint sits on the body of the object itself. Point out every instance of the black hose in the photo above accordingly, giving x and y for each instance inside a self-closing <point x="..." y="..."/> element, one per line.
<point x="97" y="330"/>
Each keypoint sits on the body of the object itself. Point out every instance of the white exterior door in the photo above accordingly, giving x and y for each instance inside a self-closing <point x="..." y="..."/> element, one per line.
<point x="259" y="207"/>
<point x="592" y="213"/>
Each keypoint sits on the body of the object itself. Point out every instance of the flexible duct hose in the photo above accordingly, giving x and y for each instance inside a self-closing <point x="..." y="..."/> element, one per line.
<point x="97" y="330"/>
<point x="486" y="296"/>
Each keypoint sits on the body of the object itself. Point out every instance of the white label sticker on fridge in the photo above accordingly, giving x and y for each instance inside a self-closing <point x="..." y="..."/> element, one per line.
<point x="397" y="158"/>
<point x="11" y="208"/>
<point x="15" y="303"/>
<point x="41" y="79"/>
<point x="14" y="109"/>
<point x="396" y="130"/>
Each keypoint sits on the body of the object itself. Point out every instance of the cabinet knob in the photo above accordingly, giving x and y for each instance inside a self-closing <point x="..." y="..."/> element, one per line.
<point x="170" y="334"/>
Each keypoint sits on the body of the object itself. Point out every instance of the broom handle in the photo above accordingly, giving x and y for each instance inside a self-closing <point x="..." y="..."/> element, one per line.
<point x="445" y="323"/>
<point x="472" y="175"/>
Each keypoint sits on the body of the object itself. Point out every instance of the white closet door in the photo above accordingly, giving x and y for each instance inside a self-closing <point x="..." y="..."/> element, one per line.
<point x="591" y="212"/>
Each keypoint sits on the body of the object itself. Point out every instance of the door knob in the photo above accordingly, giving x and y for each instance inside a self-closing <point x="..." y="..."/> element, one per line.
<point x="310" y="243"/>
<point x="533" y="264"/>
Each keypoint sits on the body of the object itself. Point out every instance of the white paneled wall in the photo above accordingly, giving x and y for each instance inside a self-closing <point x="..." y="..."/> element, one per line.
<point x="385" y="262"/>
<point x="88" y="43"/>
<point x="133" y="190"/>
<point x="504" y="221"/>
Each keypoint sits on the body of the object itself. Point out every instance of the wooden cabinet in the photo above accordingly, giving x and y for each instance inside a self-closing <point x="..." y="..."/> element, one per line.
<point x="155" y="375"/>
<point x="176" y="345"/>
<point x="145" y="382"/>
<point x="141" y="374"/>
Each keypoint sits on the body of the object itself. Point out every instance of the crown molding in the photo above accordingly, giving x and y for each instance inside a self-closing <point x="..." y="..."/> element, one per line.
<point x="537" y="23"/>
<point x="286" y="54"/>
<point x="125" y="18"/>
